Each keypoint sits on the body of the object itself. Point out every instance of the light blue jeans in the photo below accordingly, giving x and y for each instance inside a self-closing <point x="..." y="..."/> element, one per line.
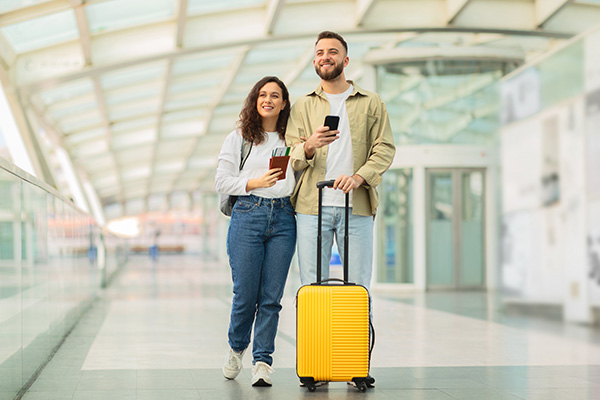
<point x="260" y="244"/>
<point x="360" y="237"/>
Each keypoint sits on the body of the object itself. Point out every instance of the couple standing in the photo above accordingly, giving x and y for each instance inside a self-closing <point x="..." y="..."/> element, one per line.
<point x="270" y="212"/>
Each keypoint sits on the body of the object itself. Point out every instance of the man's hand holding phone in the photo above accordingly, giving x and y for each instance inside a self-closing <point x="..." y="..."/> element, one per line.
<point x="323" y="135"/>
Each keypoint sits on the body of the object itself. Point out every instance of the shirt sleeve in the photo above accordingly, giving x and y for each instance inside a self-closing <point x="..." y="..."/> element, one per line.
<point x="295" y="129"/>
<point x="227" y="177"/>
<point x="382" y="149"/>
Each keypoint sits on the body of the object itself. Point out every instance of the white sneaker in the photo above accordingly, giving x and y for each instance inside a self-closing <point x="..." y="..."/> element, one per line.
<point x="233" y="364"/>
<point x="261" y="374"/>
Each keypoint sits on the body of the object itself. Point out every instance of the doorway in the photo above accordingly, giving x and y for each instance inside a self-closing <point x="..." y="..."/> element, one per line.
<point x="455" y="228"/>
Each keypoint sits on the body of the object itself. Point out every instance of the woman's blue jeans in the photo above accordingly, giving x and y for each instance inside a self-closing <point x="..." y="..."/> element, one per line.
<point x="260" y="244"/>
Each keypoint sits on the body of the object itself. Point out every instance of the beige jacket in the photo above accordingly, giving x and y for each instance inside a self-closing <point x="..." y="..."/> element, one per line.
<point x="372" y="147"/>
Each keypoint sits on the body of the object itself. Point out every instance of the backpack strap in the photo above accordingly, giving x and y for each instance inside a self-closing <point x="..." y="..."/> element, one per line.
<point x="246" y="148"/>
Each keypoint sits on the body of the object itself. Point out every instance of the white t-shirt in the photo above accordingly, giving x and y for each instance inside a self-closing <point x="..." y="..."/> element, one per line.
<point x="339" y="154"/>
<point x="230" y="180"/>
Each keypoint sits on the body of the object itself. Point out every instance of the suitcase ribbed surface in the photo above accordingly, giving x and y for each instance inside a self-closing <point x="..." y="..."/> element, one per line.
<point x="333" y="332"/>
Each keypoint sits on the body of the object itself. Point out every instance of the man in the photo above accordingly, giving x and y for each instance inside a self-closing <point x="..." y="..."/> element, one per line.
<point x="355" y="156"/>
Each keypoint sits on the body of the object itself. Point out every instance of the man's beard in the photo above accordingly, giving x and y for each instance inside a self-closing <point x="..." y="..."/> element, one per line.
<point x="330" y="75"/>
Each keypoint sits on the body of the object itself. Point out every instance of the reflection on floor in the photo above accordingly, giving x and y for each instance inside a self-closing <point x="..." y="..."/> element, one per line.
<point x="159" y="332"/>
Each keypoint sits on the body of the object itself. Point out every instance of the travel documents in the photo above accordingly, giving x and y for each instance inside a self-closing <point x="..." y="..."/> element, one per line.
<point x="280" y="157"/>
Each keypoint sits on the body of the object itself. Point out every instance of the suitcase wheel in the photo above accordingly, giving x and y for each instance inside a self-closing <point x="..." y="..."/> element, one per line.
<point x="362" y="386"/>
<point x="370" y="381"/>
<point x="310" y="384"/>
<point x="361" y="383"/>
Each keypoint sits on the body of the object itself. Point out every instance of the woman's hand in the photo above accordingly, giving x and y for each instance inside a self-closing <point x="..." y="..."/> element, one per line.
<point x="267" y="180"/>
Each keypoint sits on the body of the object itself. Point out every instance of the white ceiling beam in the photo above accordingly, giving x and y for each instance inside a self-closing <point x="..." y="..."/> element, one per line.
<point x="363" y="8"/>
<point x="101" y="104"/>
<point x="161" y="109"/>
<point x="34" y="11"/>
<point x="454" y="8"/>
<point x="274" y="8"/>
<point x="51" y="130"/>
<point x="181" y="20"/>
<point x="99" y="70"/>
<point x="546" y="9"/>
<point x="15" y="102"/>
<point x="299" y="66"/>
<point x="84" y="33"/>
<point x="148" y="115"/>
<point x="106" y="122"/>
<point x="7" y="54"/>
<point x="225" y="85"/>
<point x="402" y="54"/>
<point x="486" y="38"/>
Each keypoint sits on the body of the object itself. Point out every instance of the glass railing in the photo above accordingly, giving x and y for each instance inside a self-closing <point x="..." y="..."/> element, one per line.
<point x="54" y="259"/>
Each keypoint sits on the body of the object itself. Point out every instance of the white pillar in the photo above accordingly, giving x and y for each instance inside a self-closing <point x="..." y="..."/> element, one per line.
<point x="420" y="228"/>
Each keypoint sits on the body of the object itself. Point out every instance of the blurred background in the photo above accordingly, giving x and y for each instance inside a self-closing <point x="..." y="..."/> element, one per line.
<point x="112" y="113"/>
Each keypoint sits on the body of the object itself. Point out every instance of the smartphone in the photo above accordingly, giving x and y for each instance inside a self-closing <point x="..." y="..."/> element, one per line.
<point x="332" y="121"/>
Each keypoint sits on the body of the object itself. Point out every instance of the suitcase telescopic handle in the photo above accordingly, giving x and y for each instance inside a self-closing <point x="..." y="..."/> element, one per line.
<point x="334" y="280"/>
<point x="320" y="186"/>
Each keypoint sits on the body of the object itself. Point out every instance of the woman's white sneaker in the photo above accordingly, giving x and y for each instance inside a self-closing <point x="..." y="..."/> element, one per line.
<point x="261" y="374"/>
<point x="233" y="364"/>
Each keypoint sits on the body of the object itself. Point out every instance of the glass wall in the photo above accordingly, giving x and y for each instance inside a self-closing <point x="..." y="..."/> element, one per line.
<point x="550" y="216"/>
<point x="561" y="75"/>
<point x="49" y="273"/>
<point x="11" y="327"/>
<point x="433" y="105"/>
<point x="395" y="225"/>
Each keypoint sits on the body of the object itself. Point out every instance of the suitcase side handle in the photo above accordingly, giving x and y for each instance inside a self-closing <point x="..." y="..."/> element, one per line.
<point x="320" y="186"/>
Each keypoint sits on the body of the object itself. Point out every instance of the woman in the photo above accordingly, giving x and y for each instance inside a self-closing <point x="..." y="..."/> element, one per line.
<point x="262" y="231"/>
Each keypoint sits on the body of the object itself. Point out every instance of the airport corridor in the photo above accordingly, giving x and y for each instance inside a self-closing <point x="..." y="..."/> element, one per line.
<point x="160" y="332"/>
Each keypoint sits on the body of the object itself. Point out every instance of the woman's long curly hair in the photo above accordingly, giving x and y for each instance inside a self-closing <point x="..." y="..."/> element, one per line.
<point x="250" y="122"/>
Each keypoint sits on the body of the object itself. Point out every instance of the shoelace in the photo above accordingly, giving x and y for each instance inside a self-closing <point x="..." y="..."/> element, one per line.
<point x="263" y="366"/>
<point x="233" y="361"/>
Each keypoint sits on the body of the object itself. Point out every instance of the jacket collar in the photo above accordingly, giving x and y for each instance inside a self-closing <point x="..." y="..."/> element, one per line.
<point x="356" y="90"/>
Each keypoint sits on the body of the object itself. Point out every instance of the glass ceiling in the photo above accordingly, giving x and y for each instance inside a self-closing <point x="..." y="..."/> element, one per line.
<point x="41" y="32"/>
<point x="141" y="93"/>
<point x="118" y="14"/>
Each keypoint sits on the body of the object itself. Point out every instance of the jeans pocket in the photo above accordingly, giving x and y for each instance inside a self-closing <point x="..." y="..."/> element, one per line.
<point x="243" y="206"/>
<point x="289" y="209"/>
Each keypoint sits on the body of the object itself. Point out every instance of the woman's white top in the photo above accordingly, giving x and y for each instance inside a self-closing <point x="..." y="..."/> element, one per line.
<point x="230" y="180"/>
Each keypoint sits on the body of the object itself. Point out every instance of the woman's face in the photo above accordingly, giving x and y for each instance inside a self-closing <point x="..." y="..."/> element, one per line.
<point x="270" y="101"/>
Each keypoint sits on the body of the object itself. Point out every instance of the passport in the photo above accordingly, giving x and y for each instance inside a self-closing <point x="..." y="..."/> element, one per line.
<point x="279" y="162"/>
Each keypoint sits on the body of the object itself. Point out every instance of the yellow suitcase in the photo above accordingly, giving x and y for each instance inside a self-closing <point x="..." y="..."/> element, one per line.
<point x="333" y="331"/>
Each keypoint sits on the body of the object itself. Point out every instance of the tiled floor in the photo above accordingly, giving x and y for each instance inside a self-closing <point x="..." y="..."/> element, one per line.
<point x="159" y="332"/>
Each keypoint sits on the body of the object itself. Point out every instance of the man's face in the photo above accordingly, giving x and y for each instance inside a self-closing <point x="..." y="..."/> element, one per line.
<point x="330" y="59"/>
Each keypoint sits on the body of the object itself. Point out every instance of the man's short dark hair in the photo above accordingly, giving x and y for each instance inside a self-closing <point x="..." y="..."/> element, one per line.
<point x="332" y="35"/>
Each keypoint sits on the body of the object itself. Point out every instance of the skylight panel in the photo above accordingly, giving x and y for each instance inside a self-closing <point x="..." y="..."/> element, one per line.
<point x="67" y="91"/>
<point x="197" y="84"/>
<point x="196" y="7"/>
<point x="40" y="32"/>
<point x="135" y="94"/>
<point x="11" y="5"/>
<point x="136" y="138"/>
<point x="120" y="14"/>
<point x="273" y="54"/>
<point x="131" y="76"/>
<point x="190" y="65"/>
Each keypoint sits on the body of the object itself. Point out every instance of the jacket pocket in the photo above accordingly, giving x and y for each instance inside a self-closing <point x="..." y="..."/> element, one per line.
<point x="364" y="127"/>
